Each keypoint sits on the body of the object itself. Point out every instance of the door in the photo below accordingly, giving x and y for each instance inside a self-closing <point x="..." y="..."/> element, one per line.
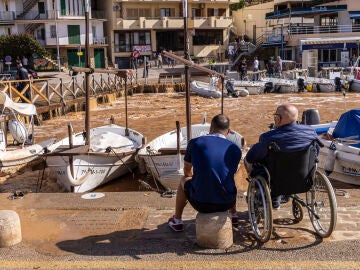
<point x="99" y="58"/>
<point x="74" y="34"/>
<point x="74" y="59"/>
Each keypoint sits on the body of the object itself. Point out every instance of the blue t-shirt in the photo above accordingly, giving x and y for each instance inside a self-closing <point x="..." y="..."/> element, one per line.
<point x="215" y="161"/>
<point x="292" y="137"/>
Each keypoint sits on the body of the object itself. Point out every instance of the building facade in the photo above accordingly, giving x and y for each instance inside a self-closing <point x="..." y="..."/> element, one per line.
<point x="152" y="26"/>
<point x="59" y="26"/>
<point x="314" y="33"/>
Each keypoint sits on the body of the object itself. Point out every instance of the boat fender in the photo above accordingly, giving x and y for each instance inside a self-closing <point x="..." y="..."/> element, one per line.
<point x="2" y="141"/>
<point x="330" y="162"/>
<point x="18" y="131"/>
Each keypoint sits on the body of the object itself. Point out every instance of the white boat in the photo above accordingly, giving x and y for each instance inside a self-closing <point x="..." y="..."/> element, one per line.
<point x="253" y="87"/>
<point x="282" y="85"/>
<point x="82" y="168"/>
<point x="340" y="158"/>
<point x="209" y="90"/>
<point x="97" y="156"/>
<point x="22" y="151"/>
<point x="162" y="159"/>
<point x="204" y="89"/>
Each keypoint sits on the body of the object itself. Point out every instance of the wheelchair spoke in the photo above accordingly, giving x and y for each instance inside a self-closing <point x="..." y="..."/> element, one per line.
<point x="322" y="205"/>
<point x="259" y="204"/>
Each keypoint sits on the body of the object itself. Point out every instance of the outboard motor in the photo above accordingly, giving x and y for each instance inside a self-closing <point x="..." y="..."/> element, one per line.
<point x="310" y="117"/>
<point x="229" y="85"/>
<point x="301" y="84"/>
<point x="269" y="87"/>
<point x="338" y="85"/>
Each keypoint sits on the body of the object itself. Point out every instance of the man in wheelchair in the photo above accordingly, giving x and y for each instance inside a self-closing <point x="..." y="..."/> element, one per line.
<point x="287" y="136"/>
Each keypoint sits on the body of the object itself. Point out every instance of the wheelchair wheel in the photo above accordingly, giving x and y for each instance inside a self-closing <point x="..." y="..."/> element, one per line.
<point x="259" y="206"/>
<point x="297" y="211"/>
<point x="323" y="208"/>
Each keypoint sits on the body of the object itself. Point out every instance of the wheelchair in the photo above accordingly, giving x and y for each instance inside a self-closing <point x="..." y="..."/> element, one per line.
<point x="291" y="173"/>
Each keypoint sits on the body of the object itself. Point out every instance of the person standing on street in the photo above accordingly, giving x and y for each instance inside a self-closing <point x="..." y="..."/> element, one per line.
<point x="256" y="68"/>
<point x="22" y="74"/>
<point x="160" y="60"/>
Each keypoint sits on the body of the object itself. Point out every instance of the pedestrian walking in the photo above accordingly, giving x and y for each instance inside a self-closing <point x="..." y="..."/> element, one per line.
<point x="256" y="68"/>
<point x="160" y="60"/>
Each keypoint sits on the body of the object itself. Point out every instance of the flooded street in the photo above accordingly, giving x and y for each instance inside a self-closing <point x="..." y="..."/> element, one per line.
<point x="155" y="114"/>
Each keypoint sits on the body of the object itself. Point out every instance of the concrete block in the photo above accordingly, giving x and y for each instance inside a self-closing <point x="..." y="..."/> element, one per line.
<point x="10" y="228"/>
<point x="214" y="230"/>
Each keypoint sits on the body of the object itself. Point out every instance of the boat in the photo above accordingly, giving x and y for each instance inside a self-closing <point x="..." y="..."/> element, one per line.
<point x="354" y="85"/>
<point x="340" y="156"/>
<point x="163" y="157"/>
<point x="253" y="87"/>
<point x="209" y="90"/>
<point x="110" y="154"/>
<point x="235" y="92"/>
<point x="282" y="85"/>
<point x="23" y="151"/>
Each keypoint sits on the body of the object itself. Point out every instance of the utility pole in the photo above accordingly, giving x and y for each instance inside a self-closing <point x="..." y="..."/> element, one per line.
<point x="187" y="72"/>
<point x="87" y="74"/>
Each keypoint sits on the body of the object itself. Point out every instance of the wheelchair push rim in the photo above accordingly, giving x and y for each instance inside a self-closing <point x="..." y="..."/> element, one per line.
<point x="322" y="205"/>
<point x="259" y="207"/>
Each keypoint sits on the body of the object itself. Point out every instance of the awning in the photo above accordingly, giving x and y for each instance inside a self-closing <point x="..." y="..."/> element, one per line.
<point x="330" y="43"/>
<point x="354" y="14"/>
<point x="304" y="11"/>
<point x="22" y="108"/>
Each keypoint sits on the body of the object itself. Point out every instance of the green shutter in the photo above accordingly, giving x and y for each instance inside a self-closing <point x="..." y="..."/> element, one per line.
<point x="63" y="7"/>
<point x="99" y="58"/>
<point x="41" y="7"/>
<point x="74" y="34"/>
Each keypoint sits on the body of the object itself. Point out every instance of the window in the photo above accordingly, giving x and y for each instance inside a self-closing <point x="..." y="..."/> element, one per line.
<point x="74" y="34"/>
<point x="208" y="37"/>
<point x="41" y="7"/>
<point x="328" y="20"/>
<point x="124" y="41"/>
<point x="165" y="12"/>
<point x="329" y="56"/>
<point x="195" y="12"/>
<point x="52" y="31"/>
<point x="135" y="13"/>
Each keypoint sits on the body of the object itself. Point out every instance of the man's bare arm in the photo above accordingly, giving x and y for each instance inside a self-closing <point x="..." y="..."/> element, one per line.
<point x="188" y="169"/>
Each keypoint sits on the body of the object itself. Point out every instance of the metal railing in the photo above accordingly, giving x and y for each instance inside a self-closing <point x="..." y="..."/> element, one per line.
<point x="7" y="15"/>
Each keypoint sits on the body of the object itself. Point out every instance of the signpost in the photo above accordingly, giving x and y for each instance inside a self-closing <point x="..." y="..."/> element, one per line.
<point x="8" y="61"/>
<point x="135" y="54"/>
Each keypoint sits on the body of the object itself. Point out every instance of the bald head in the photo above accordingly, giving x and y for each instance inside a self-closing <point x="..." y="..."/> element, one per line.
<point x="286" y="114"/>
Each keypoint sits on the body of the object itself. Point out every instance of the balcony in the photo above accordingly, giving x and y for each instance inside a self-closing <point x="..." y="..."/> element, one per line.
<point x="300" y="12"/>
<point x="100" y="40"/>
<point x="7" y="18"/>
<point x="173" y="23"/>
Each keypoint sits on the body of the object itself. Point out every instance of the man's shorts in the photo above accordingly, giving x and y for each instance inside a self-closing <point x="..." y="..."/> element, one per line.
<point x="206" y="207"/>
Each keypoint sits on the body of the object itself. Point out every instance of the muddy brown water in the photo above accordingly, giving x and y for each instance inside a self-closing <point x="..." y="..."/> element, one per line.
<point x="155" y="114"/>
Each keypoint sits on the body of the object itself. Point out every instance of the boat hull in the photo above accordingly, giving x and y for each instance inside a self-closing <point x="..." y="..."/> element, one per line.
<point x="111" y="155"/>
<point x="168" y="168"/>
<point x="96" y="169"/>
<point x="347" y="163"/>
<point x="347" y="158"/>
<point x="205" y="89"/>
<point x="355" y="86"/>
<point x="13" y="160"/>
